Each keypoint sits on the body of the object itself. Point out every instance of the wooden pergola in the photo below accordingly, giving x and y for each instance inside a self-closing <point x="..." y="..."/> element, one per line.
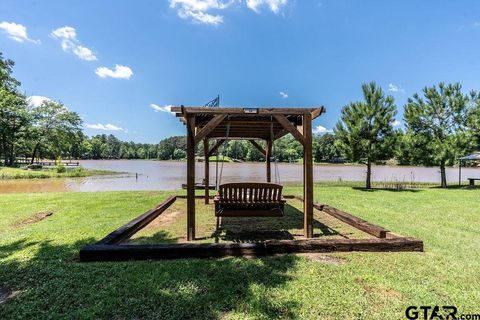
<point x="268" y="124"/>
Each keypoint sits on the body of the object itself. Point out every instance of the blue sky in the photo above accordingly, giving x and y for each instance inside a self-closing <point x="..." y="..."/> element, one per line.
<point x="120" y="64"/>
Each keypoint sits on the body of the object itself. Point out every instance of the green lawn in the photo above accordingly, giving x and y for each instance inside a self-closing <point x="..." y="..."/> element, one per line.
<point x="39" y="263"/>
<point x="17" y="173"/>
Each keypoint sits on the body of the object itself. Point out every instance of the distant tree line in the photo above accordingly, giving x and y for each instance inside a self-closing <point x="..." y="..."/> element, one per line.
<point x="440" y="124"/>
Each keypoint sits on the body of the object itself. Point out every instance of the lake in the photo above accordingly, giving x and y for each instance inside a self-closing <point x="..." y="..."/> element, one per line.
<point x="169" y="175"/>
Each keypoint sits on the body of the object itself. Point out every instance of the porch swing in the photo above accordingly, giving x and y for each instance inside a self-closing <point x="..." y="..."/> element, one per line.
<point x="249" y="199"/>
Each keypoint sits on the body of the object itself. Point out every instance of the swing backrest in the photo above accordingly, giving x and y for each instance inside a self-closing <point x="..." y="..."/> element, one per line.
<point x="250" y="192"/>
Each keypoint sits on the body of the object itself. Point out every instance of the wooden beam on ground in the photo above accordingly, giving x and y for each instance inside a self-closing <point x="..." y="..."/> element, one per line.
<point x="350" y="219"/>
<point x="215" y="147"/>
<point x="356" y="222"/>
<point x="259" y="147"/>
<point x="207" y="171"/>
<point x="268" y="157"/>
<point x="343" y="245"/>
<point x="190" y="178"/>
<point x="212" y="124"/>
<point x="290" y="127"/>
<point x="269" y="247"/>
<point x="130" y="228"/>
<point x="307" y="176"/>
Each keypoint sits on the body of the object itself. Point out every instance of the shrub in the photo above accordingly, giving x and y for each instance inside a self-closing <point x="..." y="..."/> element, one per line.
<point x="60" y="168"/>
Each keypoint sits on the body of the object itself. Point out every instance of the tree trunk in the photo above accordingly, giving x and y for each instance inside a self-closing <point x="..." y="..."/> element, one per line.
<point x="4" y="148"/>
<point x="443" y="174"/>
<point x="368" y="184"/>
<point x="34" y="152"/>
<point x="12" y="155"/>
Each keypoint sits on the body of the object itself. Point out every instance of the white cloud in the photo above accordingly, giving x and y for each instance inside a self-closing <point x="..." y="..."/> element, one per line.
<point x="36" y="101"/>
<point x="65" y="33"/>
<point x="273" y="5"/>
<point x="157" y="108"/>
<point x="395" y="88"/>
<point x="200" y="11"/>
<point x="396" y="123"/>
<point x="104" y="127"/>
<point x="321" y="130"/>
<point x="68" y="37"/>
<point x="16" y="31"/>
<point x="201" y="17"/>
<point x="284" y="95"/>
<point x="119" y="72"/>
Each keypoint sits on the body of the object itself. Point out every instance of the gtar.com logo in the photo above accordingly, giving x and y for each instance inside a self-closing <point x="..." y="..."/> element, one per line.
<point x="431" y="312"/>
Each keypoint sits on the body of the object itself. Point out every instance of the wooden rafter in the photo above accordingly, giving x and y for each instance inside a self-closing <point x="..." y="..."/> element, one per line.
<point x="280" y="134"/>
<point x="317" y="112"/>
<point x="236" y="110"/>
<point x="290" y="128"/>
<point x="212" y="124"/>
<point x="215" y="147"/>
<point x="259" y="147"/>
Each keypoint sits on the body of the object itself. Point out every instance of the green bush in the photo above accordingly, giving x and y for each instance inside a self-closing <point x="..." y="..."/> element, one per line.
<point x="60" y="168"/>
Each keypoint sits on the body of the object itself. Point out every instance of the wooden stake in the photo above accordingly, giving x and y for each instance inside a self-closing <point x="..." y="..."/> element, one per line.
<point x="308" y="176"/>
<point x="207" y="171"/>
<point x="190" y="178"/>
<point x="268" y="156"/>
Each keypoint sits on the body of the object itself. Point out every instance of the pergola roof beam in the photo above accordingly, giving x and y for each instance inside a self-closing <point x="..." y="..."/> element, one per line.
<point x="290" y="128"/>
<point x="212" y="124"/>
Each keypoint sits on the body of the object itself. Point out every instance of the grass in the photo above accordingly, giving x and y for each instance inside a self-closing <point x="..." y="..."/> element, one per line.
<point x="170" y="226"/>
<point x="38" y="262"/>
<point x="17" y="173"/>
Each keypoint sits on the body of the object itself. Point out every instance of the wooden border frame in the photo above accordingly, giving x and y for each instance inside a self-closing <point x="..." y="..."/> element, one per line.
<point x="110" y="248"/>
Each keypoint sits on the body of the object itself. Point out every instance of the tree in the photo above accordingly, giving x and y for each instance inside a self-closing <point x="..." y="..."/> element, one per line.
<point x="14" y="119"/>
<point x="179" y="154"/>
<point x="365" y="132"/>
<point x="437" y="122"/>
<point x="96" y="147"/>
<point x="14" y="116"/>
<point x="7" y="82"/>
<point x="473" y="121"/>
<point x="55" y="127"/>
<point x="167" y="146"/>
<point x="325" y="148"/>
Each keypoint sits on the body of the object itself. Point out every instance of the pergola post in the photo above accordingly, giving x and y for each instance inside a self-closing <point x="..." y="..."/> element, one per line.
<point x="207" y="170"/>
<point x="307" y="177"/>
<point x="268" y="156"/>
<point x="190" y="178"/>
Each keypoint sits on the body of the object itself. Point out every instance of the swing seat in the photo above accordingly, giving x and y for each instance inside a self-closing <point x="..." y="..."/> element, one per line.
<point x="250" y="199"/>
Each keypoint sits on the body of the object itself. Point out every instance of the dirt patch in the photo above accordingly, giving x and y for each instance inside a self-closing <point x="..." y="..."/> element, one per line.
<point x="39" y="216"/>
<point x="323" y="258"/>
<point x="164" y="219"/>
<point x="382" y="292"/>
<point x="6" y="295"/>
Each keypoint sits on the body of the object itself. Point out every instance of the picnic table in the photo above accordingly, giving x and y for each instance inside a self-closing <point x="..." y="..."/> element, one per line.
<point x="472" y="182"/>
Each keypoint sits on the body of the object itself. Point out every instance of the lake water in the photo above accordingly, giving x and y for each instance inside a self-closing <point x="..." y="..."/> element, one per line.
<point x="169" y="175"/>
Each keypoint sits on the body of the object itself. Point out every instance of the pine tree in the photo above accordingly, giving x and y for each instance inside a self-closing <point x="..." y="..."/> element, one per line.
<point x="365" y="132"/>
<point x="437" y="122"/>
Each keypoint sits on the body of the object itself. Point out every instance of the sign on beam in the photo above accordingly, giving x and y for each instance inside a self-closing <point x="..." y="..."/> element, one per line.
<point x="250" y="110"/>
